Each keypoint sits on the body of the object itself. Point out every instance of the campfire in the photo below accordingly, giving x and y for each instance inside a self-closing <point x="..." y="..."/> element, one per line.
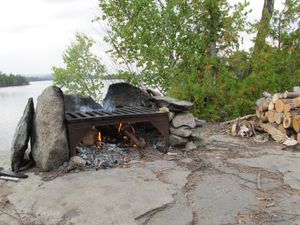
<point x="66" y="126"/>
<point x="114" y="145"/>
<point x="117" y="125"/>
<point x="122" y="134"/>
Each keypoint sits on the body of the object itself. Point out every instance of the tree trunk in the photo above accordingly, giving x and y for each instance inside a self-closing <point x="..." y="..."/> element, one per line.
<point x="263" y="26"/>
<point x="262" y="31"/>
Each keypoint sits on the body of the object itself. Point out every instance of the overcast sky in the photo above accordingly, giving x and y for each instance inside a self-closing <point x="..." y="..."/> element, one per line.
<point x="34" y="33"/>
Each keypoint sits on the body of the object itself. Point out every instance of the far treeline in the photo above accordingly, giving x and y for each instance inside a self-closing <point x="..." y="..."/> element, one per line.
<point x="12" y="80"/>
<point x="192" y="50"/>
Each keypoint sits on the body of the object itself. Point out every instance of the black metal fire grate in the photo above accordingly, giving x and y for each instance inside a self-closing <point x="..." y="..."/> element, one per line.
<point x="79" y="123"/>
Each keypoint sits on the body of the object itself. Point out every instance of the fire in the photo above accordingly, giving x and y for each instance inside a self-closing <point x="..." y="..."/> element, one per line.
<point x="99" y="142"/>
<point x="120" y="127"/>
<point x="99" y="138"/>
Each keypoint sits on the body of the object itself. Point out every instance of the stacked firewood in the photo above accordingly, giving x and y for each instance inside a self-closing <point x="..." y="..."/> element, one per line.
<point x="279" y="115"/>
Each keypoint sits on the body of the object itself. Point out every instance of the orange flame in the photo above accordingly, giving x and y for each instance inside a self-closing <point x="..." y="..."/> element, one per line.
<point x="99" y="138"/>
<point x="120" y="127"/>
<point x="99" y="142"/>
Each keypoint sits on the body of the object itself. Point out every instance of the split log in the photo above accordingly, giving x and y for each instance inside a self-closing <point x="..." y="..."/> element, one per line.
<point x="261" y="115"/>
<point x="296" y="102"/>
<point x="278" y="117"/>
<point x="280" y="103"/>
<point x="258" y="113"/>
<point x="288" y="107"/>
<point x="296" y="123"/>
<point x="287" y="122"/>
<point x="287" y="114"/>
<point x="234" y="129"/>
<point x="275" y="125"/>
<point x="270" y="116"/>
<point x="287" y="131"/>
<point x="277" y="135"/>
<point x="291" y="94"/>
<point x="264" y="117"/>
<point x="264" y="105"/>
<point x="298" y="138"/>
<point x="276" y="96"/>
<point x="271" y="106"/>
<point x="282" y="129"/>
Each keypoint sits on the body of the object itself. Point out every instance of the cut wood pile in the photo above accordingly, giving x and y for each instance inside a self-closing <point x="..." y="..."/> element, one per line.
<point x="277" y="114"/>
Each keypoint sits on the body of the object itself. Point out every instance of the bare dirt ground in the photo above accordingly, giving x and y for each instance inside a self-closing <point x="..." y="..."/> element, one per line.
<point x="225" y="181"/>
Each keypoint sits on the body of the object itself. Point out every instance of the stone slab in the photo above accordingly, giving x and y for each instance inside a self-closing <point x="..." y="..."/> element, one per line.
<point x="115" y="196"/>
<point x="285" y="162"/>
<point x="218" y="199"/>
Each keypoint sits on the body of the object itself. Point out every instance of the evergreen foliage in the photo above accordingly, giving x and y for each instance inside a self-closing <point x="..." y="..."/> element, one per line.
<point x="12" y="80"/>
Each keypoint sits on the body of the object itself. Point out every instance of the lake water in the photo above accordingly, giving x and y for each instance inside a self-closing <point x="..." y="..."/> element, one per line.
<point x="12" y="103"/>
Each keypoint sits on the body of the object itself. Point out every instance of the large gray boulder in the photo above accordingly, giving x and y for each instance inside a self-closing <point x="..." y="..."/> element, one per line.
<point x="49" y="138"/>
<point x="123" y="94"/>
<point x="21" y="136"/>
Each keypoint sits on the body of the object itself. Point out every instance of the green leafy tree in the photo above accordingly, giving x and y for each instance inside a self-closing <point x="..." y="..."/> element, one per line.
<point x="190" y="50"/>
<point x="177" y="46"/>
<point x="84" y="71"/>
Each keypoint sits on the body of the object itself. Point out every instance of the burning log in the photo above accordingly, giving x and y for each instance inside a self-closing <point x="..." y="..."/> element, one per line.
<point x="130" y="132"/>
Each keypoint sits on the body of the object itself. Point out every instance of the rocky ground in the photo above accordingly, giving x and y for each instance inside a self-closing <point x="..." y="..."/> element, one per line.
<point x="225" y="181"/>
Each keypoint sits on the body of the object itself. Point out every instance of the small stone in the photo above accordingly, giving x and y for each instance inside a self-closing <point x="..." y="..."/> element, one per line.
<point x="183" y="131"/>
<point x="90" y="137"/>
<point x="184" y="119"/>
<point x="199" y="123"/>
<point x="78" y="161"/>
<point x="190" y="146"/>
<point x="175" y="140"/>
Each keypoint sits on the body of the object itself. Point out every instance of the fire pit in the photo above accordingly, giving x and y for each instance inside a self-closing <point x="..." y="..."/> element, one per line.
<point x="79" y="123"/>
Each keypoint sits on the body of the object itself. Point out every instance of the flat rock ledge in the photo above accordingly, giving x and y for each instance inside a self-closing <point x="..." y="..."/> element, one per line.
<point x="175" y="105"/>
<point x="117" y="196"/>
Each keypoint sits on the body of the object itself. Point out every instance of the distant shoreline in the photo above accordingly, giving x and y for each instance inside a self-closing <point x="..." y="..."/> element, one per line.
<point x="15" y="85"/>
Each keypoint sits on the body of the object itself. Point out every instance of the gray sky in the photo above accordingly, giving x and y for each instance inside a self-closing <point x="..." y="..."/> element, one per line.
<point x="34" y="33"/>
